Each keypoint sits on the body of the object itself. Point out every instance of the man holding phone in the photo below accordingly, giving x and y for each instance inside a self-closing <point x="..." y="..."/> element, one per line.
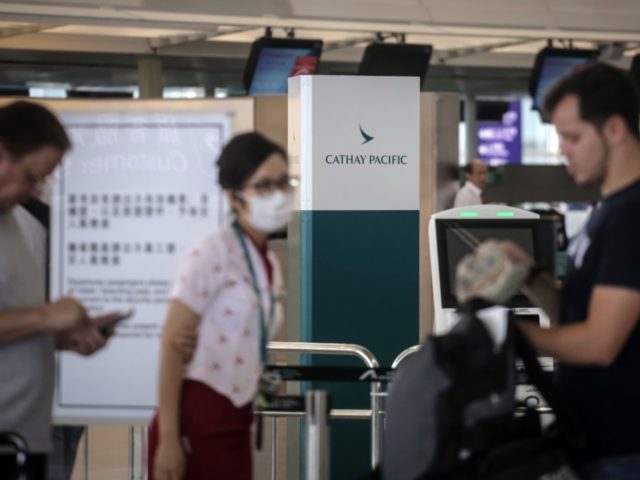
<point x="32" y="144"/>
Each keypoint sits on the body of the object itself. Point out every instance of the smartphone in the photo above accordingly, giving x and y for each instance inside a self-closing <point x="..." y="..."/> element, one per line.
<point x="107" y="327"/>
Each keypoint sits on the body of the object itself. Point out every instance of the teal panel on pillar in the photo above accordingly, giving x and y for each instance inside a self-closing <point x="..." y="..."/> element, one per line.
<point x="354" y="263"/>
<point x="363" y="289"/>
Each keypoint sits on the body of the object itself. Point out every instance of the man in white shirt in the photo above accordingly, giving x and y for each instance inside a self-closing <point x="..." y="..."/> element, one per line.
<point x="471" y="192"/>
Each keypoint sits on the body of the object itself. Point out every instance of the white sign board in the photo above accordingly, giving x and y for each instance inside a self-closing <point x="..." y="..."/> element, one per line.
<point x="354" y="142"/>
<point x="135" y="191"/>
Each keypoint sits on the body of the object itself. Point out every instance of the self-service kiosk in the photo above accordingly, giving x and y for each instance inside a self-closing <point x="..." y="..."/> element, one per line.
<point x="455" y="233"/>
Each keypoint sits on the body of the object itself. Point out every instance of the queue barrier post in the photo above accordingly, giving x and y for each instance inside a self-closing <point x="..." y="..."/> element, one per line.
<point x="317" y="435"/>
<point x="351" y="350"/>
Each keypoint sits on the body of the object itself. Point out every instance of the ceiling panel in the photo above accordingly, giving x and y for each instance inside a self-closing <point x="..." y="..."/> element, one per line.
<point x="362" y="10"/>
<point x="501" y="33"/>
<point x="99" y="3"/>
<point x="604" y="21"/>
<point x="110" y="31"/>
<point x="481" y="14"/>
<point x="75" y="43"/>
<point x="254" y="8"/>
<point x="594" y="6"/>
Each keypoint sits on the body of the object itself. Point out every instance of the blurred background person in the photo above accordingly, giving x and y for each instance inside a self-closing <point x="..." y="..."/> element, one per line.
<point x="475" y="173"/>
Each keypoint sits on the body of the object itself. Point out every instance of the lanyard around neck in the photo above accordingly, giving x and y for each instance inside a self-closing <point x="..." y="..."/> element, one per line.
<point x="265" y="323"/>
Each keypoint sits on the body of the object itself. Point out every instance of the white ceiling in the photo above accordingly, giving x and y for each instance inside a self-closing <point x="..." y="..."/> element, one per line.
<point x="463" y="32"/>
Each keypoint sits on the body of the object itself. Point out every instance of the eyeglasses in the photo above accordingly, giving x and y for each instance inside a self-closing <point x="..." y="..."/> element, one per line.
<point x="34" y="178"/>
<point x="269" y="185"/>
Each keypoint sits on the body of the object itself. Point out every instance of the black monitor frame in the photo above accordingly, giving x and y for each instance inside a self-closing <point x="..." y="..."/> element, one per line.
<point x="98" y="94"/>
<point x="491" y="110"/>
<point x="634" y="69"/>
<point x="270" y="42"/>
<point x="447" y="296"/>
<point x="552" y="52"/>
<point x="376" y="55"/>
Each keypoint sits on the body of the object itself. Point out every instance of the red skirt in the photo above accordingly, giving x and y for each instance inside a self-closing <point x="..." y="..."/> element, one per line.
<point x="217" y="432"/>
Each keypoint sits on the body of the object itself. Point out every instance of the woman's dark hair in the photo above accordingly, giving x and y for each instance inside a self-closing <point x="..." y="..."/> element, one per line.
<point x="242" y="156"/>
<point x="26" y="127"/>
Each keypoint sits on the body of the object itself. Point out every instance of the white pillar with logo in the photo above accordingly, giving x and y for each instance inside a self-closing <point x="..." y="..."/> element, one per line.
<point x="354" y="243"/>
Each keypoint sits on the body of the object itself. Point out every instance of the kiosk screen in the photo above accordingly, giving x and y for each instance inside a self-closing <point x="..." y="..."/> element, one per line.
<point x="456" y="238"/>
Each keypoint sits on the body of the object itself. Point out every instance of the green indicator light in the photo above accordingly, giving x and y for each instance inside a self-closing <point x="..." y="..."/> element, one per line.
<point x="468" y="214"/>
<point x="505" y="214"/>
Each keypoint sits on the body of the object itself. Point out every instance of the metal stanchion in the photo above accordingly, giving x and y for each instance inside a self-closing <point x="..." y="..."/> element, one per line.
<point x="132" y="453"/>
<point x="144" y="433"/>
<point x="273" y="448"/>
<point x="85" y="460"/>
<point x="317" y="441"/>
<point x="404" y="354"/>
<point x="345" y="349"/>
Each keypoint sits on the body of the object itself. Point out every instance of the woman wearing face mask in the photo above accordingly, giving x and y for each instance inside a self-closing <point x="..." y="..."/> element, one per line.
<point x="227" y="290"/>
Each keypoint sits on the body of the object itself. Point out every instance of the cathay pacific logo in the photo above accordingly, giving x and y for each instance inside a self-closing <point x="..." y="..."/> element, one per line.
<point x="372" y="158"/>
<point x="366" y="136"/>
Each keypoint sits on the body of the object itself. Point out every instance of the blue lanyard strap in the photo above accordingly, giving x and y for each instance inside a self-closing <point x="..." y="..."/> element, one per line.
<point x="264" y="322"/>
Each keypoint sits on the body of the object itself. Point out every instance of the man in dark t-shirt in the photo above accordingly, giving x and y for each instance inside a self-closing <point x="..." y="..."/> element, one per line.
<point x="605" y="261"/>
<point x="596" y="335"/>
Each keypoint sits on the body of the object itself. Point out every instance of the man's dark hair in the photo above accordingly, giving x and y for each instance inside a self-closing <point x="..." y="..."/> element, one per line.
<point x="602" y="91"/>
<point x="26" y="127"/>
<point x="468" y="168"/>
<point x="242" y="156"/>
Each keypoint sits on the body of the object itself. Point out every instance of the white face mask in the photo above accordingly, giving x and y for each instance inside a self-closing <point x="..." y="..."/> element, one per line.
<point x="269" y="213"/>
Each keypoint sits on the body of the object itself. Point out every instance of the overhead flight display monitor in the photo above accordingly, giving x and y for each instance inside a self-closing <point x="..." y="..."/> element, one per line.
<point x="635" y="68"/>
<point x="273" y="60"/>
<point x="395" y="60"/>
<point x="552" y="65"/>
